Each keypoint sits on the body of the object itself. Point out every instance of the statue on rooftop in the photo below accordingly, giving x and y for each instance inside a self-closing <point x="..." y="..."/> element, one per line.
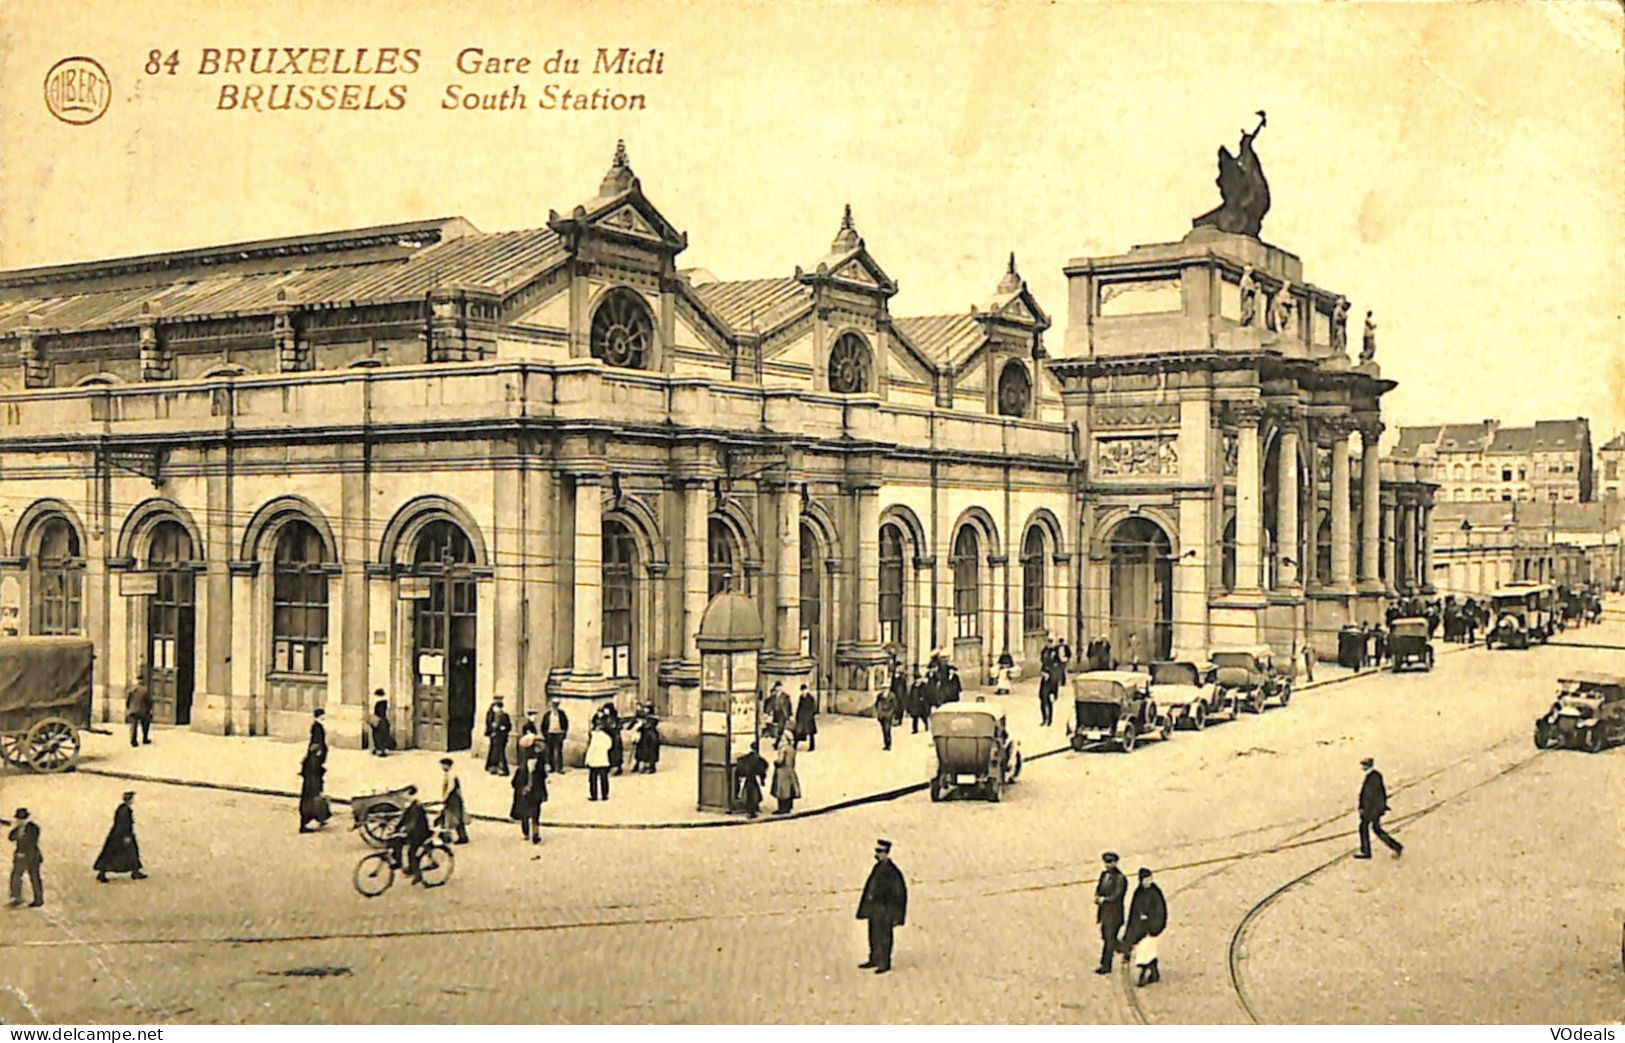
<point x="1243" y="188"/>
<point x="1368" y="350"/>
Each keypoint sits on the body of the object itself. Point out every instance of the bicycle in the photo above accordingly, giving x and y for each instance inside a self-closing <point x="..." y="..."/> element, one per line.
<point x="375" y="873"/>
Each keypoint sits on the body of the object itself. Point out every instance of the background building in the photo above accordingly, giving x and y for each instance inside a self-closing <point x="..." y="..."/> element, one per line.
<point x="1485" y="462"/>
<point x="1611" y="469"/>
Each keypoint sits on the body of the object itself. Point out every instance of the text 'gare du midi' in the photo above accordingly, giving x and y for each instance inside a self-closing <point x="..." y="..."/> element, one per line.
<point x="456" y="465"/>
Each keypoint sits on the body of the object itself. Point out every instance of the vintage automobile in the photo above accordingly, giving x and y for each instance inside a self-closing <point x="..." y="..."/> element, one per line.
<point x="1114" y="708"/>
<point x="1247" y="678"/>
<point x="1521" y="614"/>
<point x="1186" y="693"/>
<point x="1589" y="714"/>
<point x="1408" y="643"/>
<point x="973" y="751"/>
<point x="45" y="688"/>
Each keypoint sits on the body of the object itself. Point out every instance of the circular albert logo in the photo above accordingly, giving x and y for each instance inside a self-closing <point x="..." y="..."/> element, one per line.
<point x="77" y="90"/>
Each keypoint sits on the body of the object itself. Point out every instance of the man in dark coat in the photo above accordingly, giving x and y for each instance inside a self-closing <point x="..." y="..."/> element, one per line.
<point x="885" y="709"/>
<point x="411" y="833"/>
<point x="555" y="726"/>
<point x="899" y="694"/>
<point x="1046" y="682"/>
<point x="25" y="859"/>
<point x="750" y="775"/>
<point x="498" y="726"/>
<point x="807" y="719"/>
<point x="885" y="905"/>
<point x="1109" y="892"/>
<point x="1374" y="805"/>
<point x="919" y="703"/>
<point x="138" y="711"/>
<point x="120" y="852"/>
<point x="1147" y="919"/>
<point x="952" y="686"/>
<point x="529" y="793"/>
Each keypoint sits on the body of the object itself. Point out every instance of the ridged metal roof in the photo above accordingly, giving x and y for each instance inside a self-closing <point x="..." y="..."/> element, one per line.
<point x="945" y="339"/>
<point x="764" y="302"/>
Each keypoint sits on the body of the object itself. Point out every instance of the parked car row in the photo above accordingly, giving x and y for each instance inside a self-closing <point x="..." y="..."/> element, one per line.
<point x="1114" y="709"/>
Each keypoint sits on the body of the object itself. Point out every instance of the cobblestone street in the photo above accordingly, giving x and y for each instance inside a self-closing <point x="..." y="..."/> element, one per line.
<point x="1504" y="905"/>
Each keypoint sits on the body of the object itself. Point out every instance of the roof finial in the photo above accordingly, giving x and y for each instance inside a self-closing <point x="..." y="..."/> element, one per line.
<point x="620" y="177"/>
<point x="847" y="238"/>
<point x="1011" y="281"/>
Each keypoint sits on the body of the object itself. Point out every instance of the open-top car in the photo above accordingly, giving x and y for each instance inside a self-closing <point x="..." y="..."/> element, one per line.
<point x="1520" y="614"/>
<point x="1247" y="679"/>
<point x="1408" y="644"/>
<point x="973" y="751"/>
<point x="1589" y="713"/>
<point x="1186" y="693"/>
<point x="1114" y="708"/>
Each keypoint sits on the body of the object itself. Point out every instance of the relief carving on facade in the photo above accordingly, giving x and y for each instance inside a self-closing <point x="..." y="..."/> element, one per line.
<point x="1151" y="415"/>
<point x="1153" y="456"/>
<point x="1232" y="454"/>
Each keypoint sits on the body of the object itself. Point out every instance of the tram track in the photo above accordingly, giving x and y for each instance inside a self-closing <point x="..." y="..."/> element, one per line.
<point x="1235" y="954"/>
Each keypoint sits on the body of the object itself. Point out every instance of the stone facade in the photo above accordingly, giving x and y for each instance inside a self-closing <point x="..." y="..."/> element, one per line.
<point x="1486" y="462"/>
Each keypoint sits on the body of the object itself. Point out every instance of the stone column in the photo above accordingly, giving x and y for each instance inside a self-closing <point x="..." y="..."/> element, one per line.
<point x="868" y="498"/>
<point x="1405" y="571"/>
<point x="1249" y="499"/>
<point x="1288" y="552"/>
<point x="1426" y="548"/>
<point x="696" y="565"/>
<point x="1370" y="505"/>
<point x="789" y="571"/>
<point x="1341" y="536"/>
<point x="1391" y="572"/>
<point x="587" y="648"/>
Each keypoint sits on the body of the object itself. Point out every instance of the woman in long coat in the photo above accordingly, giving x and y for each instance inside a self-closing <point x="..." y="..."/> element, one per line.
<point x="383" y="738"/>
<point x="807" y="719"/>
<point x="120" y="852"/>
<point x="786" y="784"/>
<point x="312" y="805"/>
<point x="646" y="754"/>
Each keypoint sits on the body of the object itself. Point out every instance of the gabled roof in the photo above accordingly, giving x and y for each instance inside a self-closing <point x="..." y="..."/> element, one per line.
<point x="944" y="339"/>
<point x="620" y="209"/>
<point x="1616" y="442"/>
<point x="1562" y="434"/>
<point x="500" y="262"/>
<point x="759" y="304"/>
<point x="849" y="262"/>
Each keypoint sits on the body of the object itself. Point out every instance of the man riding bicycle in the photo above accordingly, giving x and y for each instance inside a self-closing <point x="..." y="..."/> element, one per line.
<point x="412" y="833"/>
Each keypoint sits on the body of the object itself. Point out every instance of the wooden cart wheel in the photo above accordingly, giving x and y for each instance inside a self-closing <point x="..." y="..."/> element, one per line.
<point x="14" y="749"/>
<point x="53" y="745"/>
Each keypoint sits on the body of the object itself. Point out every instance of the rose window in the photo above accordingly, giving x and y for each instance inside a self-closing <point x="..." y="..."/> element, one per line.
<point x="849" y="365"/>
<point x="1015" y="390"/>
<point x="622" y="330"/>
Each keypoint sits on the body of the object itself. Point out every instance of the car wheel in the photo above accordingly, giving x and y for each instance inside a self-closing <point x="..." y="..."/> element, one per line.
<point x="1543" y="735"/>
<point x="1199" y="718"/>
<point x="1015" y="772"/>
<point x="1286" y="690"/>
<point x="1592" y="741"/>
<point x="1127" y="742"/>
<point x="994" y="790"/>
<point x="1077" y="742"/>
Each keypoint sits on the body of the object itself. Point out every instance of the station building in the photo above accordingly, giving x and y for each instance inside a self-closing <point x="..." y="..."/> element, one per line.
<point x="456" y="465"/>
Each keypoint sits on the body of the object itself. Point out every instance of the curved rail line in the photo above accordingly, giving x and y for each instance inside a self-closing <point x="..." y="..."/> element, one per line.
<point x="1238" y="936"/>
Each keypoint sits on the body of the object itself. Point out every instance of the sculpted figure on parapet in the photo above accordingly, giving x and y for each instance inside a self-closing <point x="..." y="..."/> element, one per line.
<point x="1340" y="327"/>
<point x="1249" y="296"/>
<point x="1243" y="187"/>
<point x="1368" y="349"/>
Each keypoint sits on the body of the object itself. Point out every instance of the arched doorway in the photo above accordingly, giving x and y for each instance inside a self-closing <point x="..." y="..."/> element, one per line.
<point x="297" y="677"/>
<point x="1142" y="588"/>
<point x="620" y="623"/>
<point x="171" y="623"/>
<point x="443" y="637"/>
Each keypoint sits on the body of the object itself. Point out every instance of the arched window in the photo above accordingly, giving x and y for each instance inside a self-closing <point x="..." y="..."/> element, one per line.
<point x="812" y="591"/>
<point x="1032" y="580"/>
<point x="723" y="567"/>
<point x="1015" y="390"/>
<point x="299" y="601"/>
<point x="58" y="578"/>
<point x="849" y="365"/>
<point x="967" y="584"/>
<point x="620" y="583"/>
<point x="623" y="331"/>
<point x="1323" y="550"/>
<point x="891" y="585"/>
<point x="1459" y="472"/>
<point x="1227" y="556"/>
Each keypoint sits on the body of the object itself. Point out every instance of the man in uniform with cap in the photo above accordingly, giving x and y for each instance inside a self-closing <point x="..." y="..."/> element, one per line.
<point x="1109" y="892"/>
<point x="1374" y="805"/>
<point x="25" y="859"/>
<point x="498" y="726"/>
<point x="885" y="905"/>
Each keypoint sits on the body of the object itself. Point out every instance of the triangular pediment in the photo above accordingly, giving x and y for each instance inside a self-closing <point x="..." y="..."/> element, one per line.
<point x="627" y="220"/>
<point x="855" y="271"/>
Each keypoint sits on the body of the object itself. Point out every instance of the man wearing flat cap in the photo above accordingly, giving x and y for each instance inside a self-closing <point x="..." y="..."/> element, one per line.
<point x="1374" y="805"/>
<point x="1109" y="892"/>
<point x="885" y="905"/>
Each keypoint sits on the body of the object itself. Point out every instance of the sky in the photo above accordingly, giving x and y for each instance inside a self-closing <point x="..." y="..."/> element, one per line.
<point x="1453" y="167"/>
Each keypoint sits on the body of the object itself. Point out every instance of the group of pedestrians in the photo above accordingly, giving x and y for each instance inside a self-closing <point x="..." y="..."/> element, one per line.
<point x="120" y="852"/>
<point x="1135" y="933"/>
<point x="1052" y="664"/>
